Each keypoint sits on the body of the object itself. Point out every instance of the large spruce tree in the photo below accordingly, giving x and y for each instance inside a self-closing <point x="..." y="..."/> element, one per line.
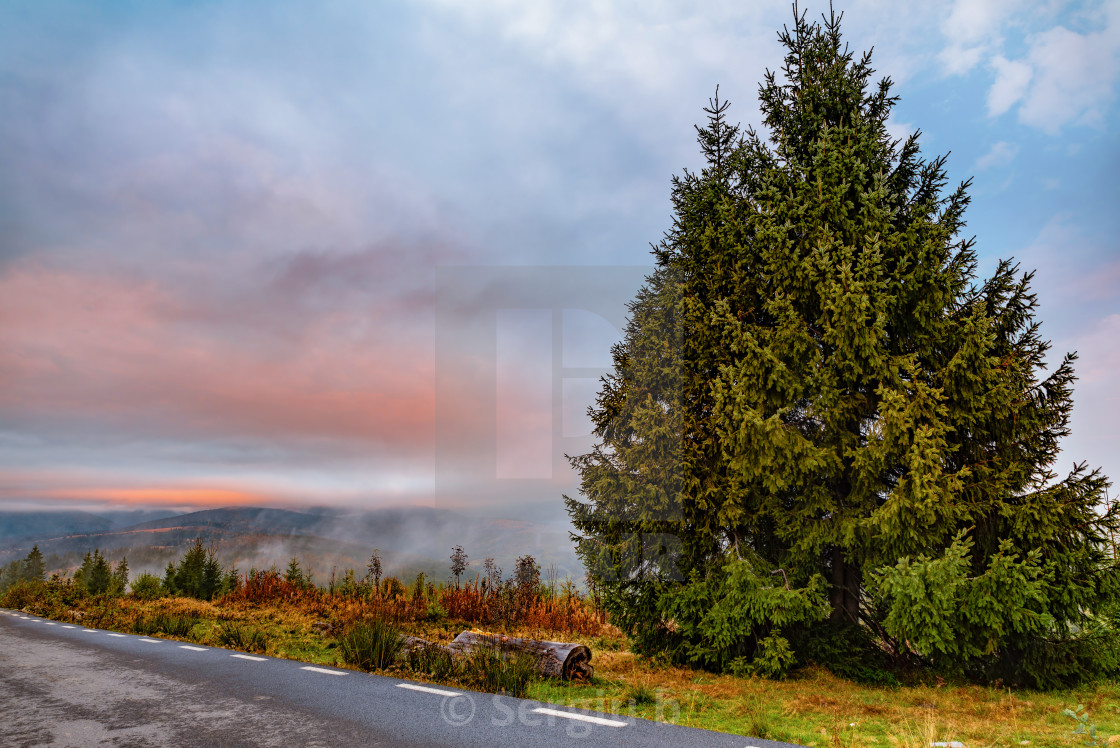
<point x="821" y="417"/>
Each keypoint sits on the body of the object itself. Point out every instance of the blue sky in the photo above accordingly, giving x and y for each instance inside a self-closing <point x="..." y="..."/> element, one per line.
<point x="223" y="226"/>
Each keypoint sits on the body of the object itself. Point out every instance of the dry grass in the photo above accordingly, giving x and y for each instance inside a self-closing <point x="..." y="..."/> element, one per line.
<point x="816" y="708"/>
<point x="811" y="708"/>
<point x="506" y="609"/>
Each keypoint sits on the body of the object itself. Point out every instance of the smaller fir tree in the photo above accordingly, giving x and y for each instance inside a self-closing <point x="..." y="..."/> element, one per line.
<point x="188" y="576"/>
<point x="33" y="568"/>
<point x="120" y="577"/>
<point x="458" y="563"/>
<point x="294" y="574"/>
<point x="169" y="584"/>
<point x="99" y="578"/>
<point x="211" y="577"/>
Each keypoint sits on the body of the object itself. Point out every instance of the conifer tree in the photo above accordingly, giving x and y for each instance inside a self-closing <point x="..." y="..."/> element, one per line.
<point x="189" y="574"/>
<point x="33" y="568"/>
<point x="231" y="580"/>
<point x="294" y="573"/>
<point x="120" y="576"/>
<point x="98" y="578"/>
<point x="819" y="410"/>
<point x="12" y="573"/>
<point x="211" y="583"/>
<point x="169" y="584"/>
<point x="83" y="571"/>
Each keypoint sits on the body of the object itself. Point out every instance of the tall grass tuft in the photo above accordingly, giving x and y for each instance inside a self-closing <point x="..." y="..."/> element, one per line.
<point x="371" y="646"/>
<point x="498" y="670"/>
<point x="163" y="623"/>
<point x="640" y="694"/>
<point x="244" y="637"/>
<point x="433" y="660"/>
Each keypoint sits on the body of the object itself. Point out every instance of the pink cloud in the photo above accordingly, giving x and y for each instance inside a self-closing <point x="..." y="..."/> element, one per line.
<point x="145" y="356"/>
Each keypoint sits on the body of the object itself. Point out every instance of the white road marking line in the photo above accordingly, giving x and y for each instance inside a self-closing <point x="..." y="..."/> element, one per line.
<point x="90" y="631"/>
<point x="193" y="649"/>
<point x="50" y="623"/>
<point x="69" y="627"/>
<point x="323" y="670"/>
<point x="152" y="641"/>
<point x="250" y="657"/>
<point x="425" y="689"/>
<point x="116" y="634"/>
<point x="583" y="717"/>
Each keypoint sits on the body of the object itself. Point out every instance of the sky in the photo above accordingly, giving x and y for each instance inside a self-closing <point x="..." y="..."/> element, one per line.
<point x="368" y="254"/>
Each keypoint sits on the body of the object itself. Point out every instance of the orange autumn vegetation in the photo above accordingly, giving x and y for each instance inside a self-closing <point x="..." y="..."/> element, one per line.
<point x="506" y="607"/>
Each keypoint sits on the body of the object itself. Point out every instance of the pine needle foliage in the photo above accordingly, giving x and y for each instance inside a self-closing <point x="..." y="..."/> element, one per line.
<point x="34" y="570"/>
<point x="821" y="414"/>
<point x="198" y="574"/>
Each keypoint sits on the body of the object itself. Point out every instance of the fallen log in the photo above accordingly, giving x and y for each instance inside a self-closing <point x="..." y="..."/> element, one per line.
<point x="554" y="659"/>
<point x="415" y="642"/>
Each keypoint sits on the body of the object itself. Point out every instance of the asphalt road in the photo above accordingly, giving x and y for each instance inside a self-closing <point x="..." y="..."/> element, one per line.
<point x="66" y="685"/>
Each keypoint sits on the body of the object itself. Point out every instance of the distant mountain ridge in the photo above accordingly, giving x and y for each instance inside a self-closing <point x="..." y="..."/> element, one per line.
<point x="38" y="524"/>
<point x="411" y="540"/>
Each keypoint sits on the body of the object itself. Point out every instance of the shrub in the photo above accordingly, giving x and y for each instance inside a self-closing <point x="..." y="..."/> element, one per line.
<point x="371" y="646"/>
<point x="393" y="588"/>
<point x="435" y="612"/>
<point x="22" y="594"/>
<point x="148" y="587"/>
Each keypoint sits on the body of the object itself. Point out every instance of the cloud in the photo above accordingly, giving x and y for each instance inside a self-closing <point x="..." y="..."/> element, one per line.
<point x="1000" y="154"/>
<point x="972" y="21"/>
<point x="1077" y="281"/>
<point x="1093" y="434"/>
<point x="1064" y="77"/>
<point x="649" y="47"/>
<point x="1100" y="356"/>
<point x="1057" y="64"/>
<point x="1074" y="78"/>
<point x="1012" y="79"/>
<point x="1077" y="276"/>
<point x="959" y="60"/>
<point x="973" y="28"/>
<point x="302" y="350"/>
<point x="899" y="130"/>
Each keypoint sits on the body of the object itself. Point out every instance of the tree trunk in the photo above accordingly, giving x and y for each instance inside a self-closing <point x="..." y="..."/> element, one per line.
<point x="554" y="659"/>
<point x="844" y="597"/>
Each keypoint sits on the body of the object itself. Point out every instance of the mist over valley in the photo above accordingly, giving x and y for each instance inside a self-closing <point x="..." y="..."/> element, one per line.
<point x="411" y="540"/>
